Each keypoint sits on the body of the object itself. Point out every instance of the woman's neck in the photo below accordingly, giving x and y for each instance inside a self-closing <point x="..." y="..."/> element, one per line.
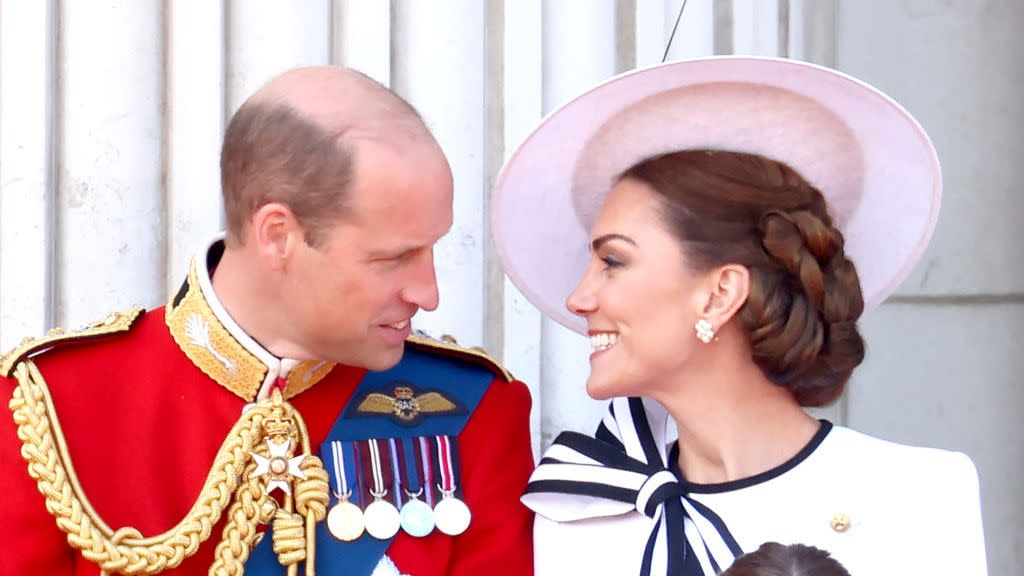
<point x="734" y="423"/>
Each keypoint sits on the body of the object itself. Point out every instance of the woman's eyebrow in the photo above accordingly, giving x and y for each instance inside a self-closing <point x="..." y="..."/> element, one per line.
<point x="601" y="240"/>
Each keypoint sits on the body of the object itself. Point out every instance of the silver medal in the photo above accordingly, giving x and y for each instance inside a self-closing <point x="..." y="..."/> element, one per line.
<point x="345" y="521"/>
<point x="417" y="517"/>
<point x="451" y="515"/>
<point x="381" y="518"/>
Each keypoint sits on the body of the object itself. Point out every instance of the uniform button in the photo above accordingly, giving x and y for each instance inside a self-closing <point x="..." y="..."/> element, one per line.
<point x="840" y="522"/>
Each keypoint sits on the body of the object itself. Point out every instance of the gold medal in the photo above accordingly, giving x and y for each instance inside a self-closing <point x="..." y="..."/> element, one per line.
<point x="345" y="521"/>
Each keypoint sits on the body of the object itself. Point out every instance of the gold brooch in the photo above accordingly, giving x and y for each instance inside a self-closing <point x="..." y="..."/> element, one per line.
<point x="840" y="522"/>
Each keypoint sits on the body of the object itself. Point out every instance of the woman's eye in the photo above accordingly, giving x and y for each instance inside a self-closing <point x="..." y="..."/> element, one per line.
<point x="611" y="262"/>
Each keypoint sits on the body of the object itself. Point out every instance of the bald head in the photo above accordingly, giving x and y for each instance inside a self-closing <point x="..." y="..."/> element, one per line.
<point x="296" y="141"/>
<point x="341" y="101"/>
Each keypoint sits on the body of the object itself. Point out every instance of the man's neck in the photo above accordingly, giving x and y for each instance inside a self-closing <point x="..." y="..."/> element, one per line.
<point x="242" y="294"/>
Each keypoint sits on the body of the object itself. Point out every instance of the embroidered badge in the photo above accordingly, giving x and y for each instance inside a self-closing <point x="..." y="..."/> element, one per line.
<point x="198" y="333"/>
<point x="406" y="405"/>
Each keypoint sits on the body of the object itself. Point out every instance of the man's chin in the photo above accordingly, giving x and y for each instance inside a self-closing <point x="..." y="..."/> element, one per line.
<point x="382" y="359"/>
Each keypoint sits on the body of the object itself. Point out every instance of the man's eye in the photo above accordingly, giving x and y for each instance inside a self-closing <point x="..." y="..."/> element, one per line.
<point x="400" y="257"/>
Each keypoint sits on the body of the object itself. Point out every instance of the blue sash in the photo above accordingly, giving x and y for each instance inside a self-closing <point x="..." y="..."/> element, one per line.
<point x="461" y="383"/>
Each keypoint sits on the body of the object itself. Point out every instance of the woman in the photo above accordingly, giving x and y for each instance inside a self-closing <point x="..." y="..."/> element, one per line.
<point x="730" y="218"/>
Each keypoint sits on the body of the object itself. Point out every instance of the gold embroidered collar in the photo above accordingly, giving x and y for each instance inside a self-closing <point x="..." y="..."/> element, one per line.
<point x="215" y="343"/>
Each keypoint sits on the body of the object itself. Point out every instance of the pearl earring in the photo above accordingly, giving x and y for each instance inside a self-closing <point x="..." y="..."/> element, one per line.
<point x="705" y="331"/>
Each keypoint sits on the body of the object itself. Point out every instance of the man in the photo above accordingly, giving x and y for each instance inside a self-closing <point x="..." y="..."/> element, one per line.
<point x="295" y="325"/>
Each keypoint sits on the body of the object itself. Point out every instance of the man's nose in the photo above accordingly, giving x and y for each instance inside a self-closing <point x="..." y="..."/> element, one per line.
<point x="421" y="290"/>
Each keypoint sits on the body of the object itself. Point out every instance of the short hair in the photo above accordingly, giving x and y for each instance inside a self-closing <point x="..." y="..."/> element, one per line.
<point x="272" y="154"/>
<point x="774" y="559"/>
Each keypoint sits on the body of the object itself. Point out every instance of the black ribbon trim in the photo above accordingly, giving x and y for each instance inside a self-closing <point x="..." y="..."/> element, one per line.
<point x="608" y="451"/>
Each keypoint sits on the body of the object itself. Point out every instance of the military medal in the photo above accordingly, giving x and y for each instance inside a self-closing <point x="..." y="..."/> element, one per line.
<point x="381" y="517"/>
<point x="344" y="519"/>
<point x="451" y="515"/>
<point x="417" y="516"/>
<point x="278" y="467"/>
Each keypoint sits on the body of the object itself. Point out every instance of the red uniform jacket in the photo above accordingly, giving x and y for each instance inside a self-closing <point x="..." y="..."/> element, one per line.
<point x="143" y="423"/>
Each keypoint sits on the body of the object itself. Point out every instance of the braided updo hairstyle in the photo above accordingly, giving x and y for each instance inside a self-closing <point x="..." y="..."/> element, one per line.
<point x="801" y="312"/>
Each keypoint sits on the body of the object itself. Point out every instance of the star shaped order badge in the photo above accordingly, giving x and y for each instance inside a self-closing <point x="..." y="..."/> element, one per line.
<point x="278" y="466"/>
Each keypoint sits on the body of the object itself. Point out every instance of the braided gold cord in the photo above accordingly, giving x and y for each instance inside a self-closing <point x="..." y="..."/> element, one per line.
<point x="289" y="538"/>
<point x="125" y="550"/>
<point x="240" y="535"/>
<point x="313" y="493"/>
<point x="312" y="496"/>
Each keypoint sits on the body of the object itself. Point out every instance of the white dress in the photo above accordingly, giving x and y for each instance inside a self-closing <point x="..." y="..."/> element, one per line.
<point x="878" y="507"/>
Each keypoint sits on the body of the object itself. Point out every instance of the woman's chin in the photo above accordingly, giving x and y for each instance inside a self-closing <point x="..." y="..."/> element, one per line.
<point x="602" y="389"/>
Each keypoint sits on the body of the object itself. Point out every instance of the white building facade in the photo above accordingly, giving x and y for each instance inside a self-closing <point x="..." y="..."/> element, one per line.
<point x="111" y="114"/>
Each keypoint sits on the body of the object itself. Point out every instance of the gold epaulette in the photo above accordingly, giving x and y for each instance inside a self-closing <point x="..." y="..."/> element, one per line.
<point x="113" y="323"/>
<point x="447" y="345"/>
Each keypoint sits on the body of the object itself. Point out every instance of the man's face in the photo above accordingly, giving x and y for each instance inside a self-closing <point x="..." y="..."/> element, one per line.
<point x="353" y="296"/>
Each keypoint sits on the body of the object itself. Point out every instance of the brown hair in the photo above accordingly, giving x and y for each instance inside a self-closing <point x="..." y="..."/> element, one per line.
<point x="805" y="298"/>
<point x="271" y="154"/>
<point x="774" y="559"/>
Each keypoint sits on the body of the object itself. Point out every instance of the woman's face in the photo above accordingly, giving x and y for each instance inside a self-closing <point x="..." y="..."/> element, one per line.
<point x="638" y="296"/>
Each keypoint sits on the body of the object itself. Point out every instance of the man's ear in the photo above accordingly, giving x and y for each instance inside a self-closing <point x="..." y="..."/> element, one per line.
<point x="276" y="232"/>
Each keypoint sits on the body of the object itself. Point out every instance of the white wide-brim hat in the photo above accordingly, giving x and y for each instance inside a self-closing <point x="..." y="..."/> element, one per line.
<point x="872" y="161"/>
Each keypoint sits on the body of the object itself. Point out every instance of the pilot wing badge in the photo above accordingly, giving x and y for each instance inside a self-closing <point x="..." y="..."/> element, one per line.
<point x="406" y="405"/>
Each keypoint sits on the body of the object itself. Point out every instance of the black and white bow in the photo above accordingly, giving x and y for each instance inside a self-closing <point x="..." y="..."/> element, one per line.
<point x="622" y="468"/>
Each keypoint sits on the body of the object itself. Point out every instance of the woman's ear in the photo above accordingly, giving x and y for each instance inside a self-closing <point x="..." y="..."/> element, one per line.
<point x="728" y="288"/>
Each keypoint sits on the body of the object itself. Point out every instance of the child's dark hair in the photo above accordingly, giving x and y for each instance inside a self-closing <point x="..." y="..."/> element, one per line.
<point x="774" y="559"/>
